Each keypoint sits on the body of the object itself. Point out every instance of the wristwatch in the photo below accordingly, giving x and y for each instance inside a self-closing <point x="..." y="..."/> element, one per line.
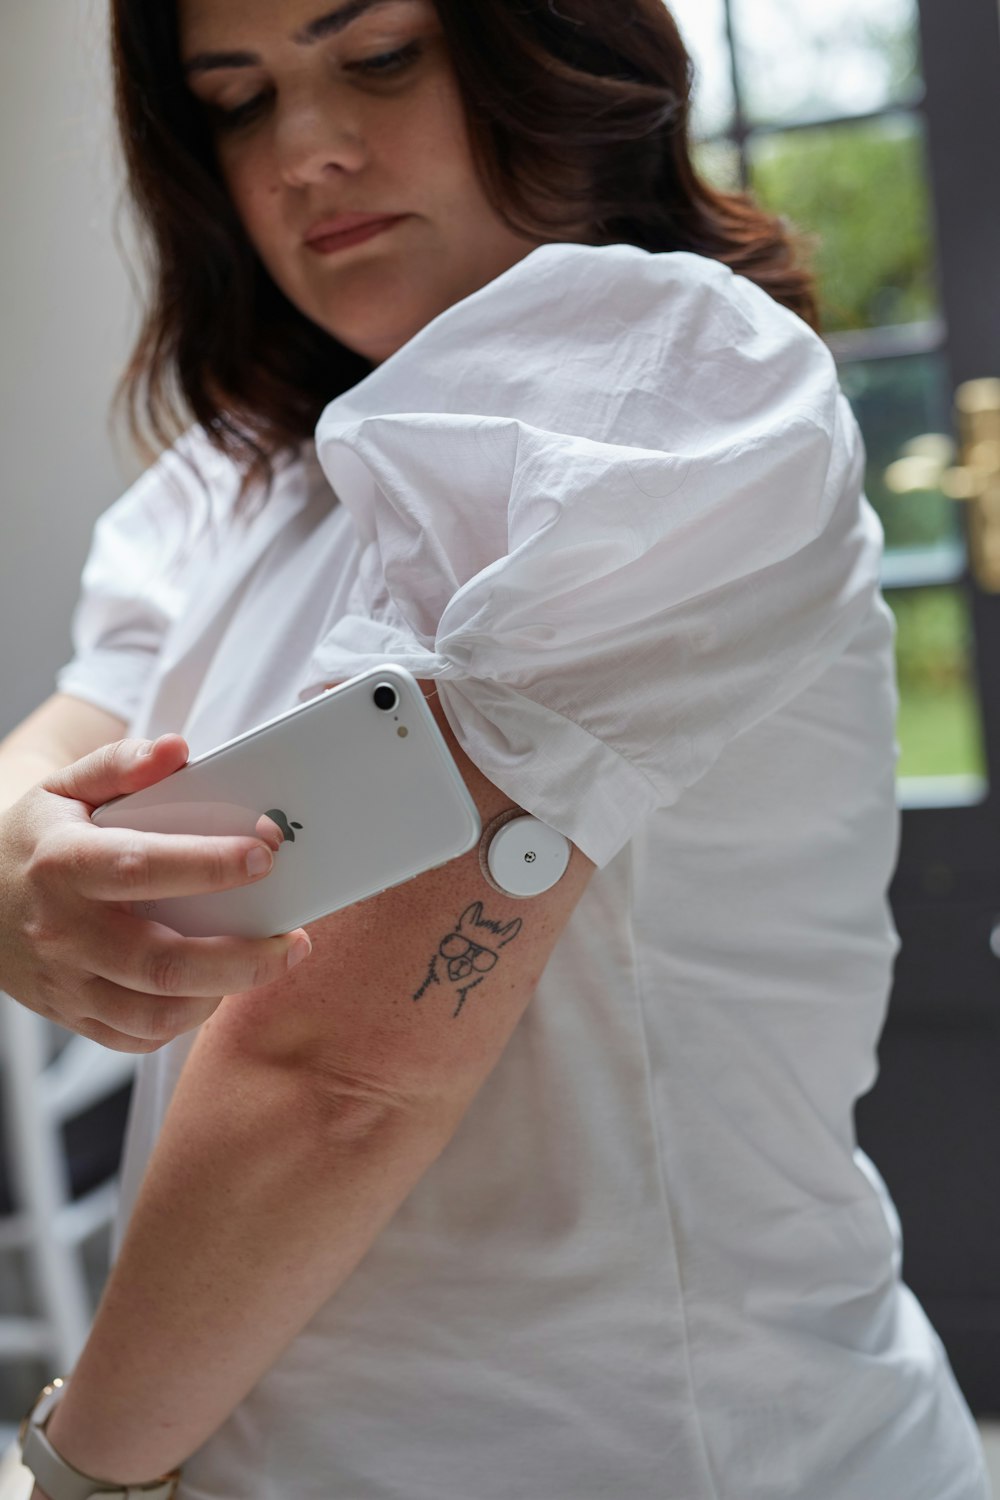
<point x="60" y="1480"/>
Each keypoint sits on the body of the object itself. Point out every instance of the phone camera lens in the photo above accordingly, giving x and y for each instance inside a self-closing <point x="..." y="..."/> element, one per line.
<point x="385" y="697"/>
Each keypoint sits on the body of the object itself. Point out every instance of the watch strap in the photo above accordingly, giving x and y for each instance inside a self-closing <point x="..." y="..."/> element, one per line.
<point x="60" y="1480"/>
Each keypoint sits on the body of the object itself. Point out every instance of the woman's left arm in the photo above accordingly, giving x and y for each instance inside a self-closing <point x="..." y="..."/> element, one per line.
<point x="306" y="1112"/>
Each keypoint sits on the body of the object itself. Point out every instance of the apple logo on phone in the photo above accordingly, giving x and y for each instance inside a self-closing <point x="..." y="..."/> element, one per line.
<point x="279" y="819"/>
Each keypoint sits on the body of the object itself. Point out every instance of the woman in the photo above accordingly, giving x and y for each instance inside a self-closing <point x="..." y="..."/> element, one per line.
<point x="606" y="1232"/>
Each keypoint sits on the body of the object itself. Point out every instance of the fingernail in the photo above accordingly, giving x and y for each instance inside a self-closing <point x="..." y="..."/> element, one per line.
<point x="299" y="950"/>
<point x="259" y="861"/>
<point x="148" y="746"/>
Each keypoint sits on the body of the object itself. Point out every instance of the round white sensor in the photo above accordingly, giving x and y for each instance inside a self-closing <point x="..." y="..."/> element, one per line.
<point x="527" y="857"/>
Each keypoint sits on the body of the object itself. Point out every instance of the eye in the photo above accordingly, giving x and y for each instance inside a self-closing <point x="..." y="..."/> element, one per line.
<point x="385" y="65"/>
<point x="230" y="119"/>
<point x="387" y="62"/>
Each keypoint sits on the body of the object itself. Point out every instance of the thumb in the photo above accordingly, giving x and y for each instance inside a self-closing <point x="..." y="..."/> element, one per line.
<point x="117" y="768"/>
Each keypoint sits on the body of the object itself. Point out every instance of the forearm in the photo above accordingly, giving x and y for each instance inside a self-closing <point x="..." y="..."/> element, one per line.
<point x="256" y="1205"/>
<point x="62" y="729"/>
<point x="22" y="768"/>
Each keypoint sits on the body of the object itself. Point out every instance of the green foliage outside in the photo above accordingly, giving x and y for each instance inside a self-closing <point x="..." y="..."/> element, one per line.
<point x="861" y="190"/>
<point x="939" y="733"/>
<point x="939" y="729"/>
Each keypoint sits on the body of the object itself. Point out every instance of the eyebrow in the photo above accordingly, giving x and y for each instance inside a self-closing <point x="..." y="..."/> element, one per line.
<point x="329" y="25"/>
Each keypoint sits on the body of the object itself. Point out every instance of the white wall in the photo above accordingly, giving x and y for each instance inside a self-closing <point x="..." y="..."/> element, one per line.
<point x="66" y="317"/>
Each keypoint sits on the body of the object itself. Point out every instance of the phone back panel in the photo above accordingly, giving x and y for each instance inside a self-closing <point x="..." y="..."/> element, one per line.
<point x="366" y="799"/>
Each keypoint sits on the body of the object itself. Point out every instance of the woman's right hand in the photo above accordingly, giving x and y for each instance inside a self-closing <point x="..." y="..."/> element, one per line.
<point x="71" y="948"/>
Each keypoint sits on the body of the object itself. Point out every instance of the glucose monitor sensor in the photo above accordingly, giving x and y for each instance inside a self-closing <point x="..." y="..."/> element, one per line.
<point x="521" y="856"/>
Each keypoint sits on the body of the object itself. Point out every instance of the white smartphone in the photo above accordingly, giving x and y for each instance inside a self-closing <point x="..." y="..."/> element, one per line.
<point x="359" y="781"/>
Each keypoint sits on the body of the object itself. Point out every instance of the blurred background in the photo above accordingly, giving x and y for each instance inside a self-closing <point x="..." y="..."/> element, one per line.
<point x="872" y="125"/>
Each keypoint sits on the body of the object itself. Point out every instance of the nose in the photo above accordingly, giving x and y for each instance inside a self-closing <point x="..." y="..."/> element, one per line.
<point x="318" y="138"/>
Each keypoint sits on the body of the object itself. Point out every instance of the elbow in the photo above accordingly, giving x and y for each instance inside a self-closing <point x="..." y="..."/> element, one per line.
<point x="346" y="1109"/>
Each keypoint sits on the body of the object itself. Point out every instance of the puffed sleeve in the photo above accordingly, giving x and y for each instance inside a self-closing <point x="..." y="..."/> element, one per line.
<point x="624" y="524"/>
<point x="136" y="575"/>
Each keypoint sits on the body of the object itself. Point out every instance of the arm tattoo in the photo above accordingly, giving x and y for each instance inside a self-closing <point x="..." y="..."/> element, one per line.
<point x="463" y="955"/>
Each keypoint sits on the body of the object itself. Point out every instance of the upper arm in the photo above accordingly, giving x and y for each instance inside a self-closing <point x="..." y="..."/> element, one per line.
<point x="67" y="728"/>
<point x="411" y="995"/>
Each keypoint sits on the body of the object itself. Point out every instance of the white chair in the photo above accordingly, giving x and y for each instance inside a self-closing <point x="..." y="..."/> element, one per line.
<point x="41" y="1092"/>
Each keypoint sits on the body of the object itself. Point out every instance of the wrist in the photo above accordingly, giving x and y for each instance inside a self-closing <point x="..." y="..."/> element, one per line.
<point x="61" y="1430"/>
<point x="85" y="1445"/>
<point x="64" y="1472"/>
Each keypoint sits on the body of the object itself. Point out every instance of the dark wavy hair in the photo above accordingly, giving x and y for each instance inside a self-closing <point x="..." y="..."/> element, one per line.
<point x="576" y="115"/>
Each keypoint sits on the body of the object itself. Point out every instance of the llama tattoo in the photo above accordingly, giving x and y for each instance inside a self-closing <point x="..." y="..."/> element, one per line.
<point x="464" y="955"/>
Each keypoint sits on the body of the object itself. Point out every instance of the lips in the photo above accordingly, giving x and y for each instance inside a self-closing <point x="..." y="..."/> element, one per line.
<point x="344" y="224"/>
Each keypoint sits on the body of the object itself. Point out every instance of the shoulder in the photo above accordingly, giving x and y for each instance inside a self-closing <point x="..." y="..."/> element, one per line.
<point x="196" y="463"/>
<point x="185" y="478"/>
<point x="720" y="332"/>
<point x="693" y="317"/>
<point x="195" y="482"/>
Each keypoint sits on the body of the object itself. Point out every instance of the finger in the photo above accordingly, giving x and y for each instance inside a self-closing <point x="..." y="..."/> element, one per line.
<point x="116" y="1041"/>
<point x="152" y="959"/>
<point x="117" y="768"/>
<point x="268" y="830"/>
<point x="146" y="1018"/>
<point x="122" y="864"/>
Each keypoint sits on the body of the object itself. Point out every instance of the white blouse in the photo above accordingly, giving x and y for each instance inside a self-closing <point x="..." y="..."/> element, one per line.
<point x="611" y="503"/>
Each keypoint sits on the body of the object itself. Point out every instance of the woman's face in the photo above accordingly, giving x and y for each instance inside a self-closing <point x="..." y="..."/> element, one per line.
<point x="322" y="107"/>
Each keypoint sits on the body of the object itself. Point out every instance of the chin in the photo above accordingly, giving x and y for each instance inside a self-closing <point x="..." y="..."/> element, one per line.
<point x="374" y="344"/>
<point x="375" y="351"/>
